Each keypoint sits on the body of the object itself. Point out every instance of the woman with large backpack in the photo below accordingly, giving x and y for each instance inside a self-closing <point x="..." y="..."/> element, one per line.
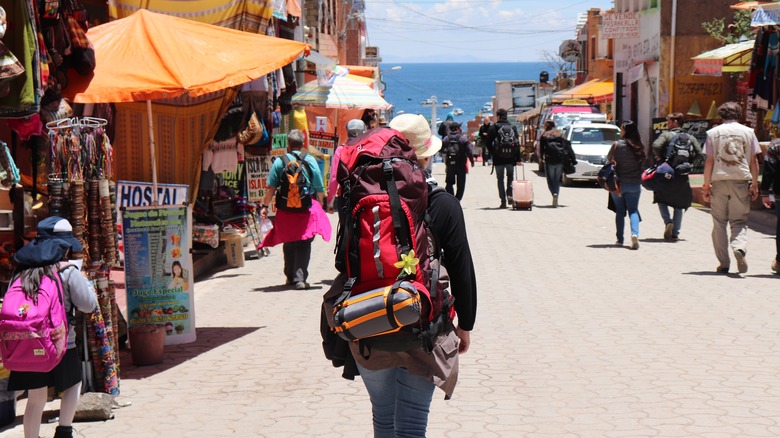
<point x="43" y="261"/>
<point x="401" y="373"/>
<point x="629" y="154"/>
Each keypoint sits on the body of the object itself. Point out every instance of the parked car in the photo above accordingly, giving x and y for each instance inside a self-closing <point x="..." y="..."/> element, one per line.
<point x="591" y="143"/>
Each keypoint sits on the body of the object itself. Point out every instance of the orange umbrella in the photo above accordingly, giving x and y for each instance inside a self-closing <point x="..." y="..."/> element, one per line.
<point x="148" y="56"/>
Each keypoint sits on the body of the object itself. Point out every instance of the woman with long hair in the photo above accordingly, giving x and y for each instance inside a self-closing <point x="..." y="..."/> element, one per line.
<point x="47" y="256"/>
<point x="628" y="153"/>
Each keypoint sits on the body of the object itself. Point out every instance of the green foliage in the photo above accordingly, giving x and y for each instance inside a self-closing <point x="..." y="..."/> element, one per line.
<point x="729" y="34"/>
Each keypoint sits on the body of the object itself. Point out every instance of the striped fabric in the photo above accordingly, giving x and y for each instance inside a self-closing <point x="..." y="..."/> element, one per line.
<point x="246" y="15"/>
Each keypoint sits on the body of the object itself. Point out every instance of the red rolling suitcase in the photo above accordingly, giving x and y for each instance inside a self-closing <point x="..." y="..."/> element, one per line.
<point x="522" y="193"/>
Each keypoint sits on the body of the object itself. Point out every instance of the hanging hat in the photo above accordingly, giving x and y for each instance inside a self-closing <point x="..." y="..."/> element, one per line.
<point x="417" y="132"/>
<point x="54" y="239"/>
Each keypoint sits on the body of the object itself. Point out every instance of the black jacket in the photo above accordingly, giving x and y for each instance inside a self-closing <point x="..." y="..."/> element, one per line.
<point x="492" y="133"/>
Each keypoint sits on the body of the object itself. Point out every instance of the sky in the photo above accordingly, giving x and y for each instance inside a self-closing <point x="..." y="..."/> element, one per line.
<point x="472" y="30"/>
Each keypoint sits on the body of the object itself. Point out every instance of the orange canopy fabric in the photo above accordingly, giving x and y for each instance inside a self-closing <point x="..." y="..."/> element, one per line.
<point x="149" y="56"/>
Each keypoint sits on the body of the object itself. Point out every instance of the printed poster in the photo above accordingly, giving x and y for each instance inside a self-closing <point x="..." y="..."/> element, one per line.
<point x="158" y="270"/>
<point x="325" y="143"/>
<point x="257" y="170"/>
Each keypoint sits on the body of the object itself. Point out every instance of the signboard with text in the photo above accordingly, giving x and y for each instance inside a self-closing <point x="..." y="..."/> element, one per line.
<point x="158" y="270"/>
<point x="325" y="143"/>
<point x="620" y="25"/>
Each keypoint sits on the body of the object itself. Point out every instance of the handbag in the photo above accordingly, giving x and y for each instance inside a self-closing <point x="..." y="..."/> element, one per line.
<point x="607" y="176"/>
<point x="608" y="179"/>
<point x="569" y="167"/>
<point x="658" y="177"/>
<point x="254" y="134"/>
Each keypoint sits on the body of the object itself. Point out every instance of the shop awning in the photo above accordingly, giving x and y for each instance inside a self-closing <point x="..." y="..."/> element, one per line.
<point x="150" y="56"/>
<point x="729" y="59"/>
<point x="525" y="116"/>
<point x="766" y="15"/>
<point x="743" y="6"/>
<point x="594" y="91"/>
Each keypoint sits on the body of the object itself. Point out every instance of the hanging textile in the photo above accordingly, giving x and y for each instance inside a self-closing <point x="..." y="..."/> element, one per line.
<point x="9" y="173"/>
<point x="22" y="100"/>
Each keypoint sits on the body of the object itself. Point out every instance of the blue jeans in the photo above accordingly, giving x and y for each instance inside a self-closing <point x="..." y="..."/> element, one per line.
<point x="629" y="201"/>
<point x="676" y="219"/>
<point x="400" y="402"/>
<point x="510" y="176"/>
<point x="553" y="173"/>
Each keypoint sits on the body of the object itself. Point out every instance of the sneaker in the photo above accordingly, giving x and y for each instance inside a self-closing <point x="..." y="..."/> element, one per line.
<point x="503" y="204"/>
<point x="775" y="266"/>
<point x="669" y="231"/>
<point x="634" y="242"/>
<point x="555" y="200"/>
<point x="619" y="243"/>
<point x="722" y="270"/>
<point x="301" y="285"/>
<point x="742" y="266"/>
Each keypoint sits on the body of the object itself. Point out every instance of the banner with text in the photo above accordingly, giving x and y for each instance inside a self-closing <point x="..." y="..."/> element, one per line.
<point x="620" y="25"/>
<point x="158" y="270"/>
<point x="325" y="143"/>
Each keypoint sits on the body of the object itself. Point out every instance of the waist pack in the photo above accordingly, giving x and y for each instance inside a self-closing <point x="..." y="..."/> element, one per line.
<point x="657" y="177"/>
<point x="33" y="332"/>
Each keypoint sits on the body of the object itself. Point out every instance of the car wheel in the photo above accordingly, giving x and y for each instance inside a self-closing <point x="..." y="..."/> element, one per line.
<point x="566" y="181"/>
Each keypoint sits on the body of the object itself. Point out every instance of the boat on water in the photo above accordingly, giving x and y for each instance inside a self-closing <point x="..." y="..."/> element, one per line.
<point x="426" y="102"/>
<point x="446" y="103"/>
<point x="457" y="112"/>
<point x="487" y="107"/>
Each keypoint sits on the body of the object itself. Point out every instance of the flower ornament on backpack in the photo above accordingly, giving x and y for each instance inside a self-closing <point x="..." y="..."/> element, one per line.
<point x="407" y="265"/>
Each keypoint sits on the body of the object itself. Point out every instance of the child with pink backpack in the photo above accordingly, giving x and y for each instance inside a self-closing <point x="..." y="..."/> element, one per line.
<point x="37" y="337"/>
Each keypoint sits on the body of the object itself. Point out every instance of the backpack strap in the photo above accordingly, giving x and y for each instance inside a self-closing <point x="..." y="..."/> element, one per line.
<point x="395" y="207"/>
<point x="72" y="314"/>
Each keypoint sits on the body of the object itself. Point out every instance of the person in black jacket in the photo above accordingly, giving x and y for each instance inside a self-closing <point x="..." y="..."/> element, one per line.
<point x="503" y="163"/>
<point x="770" y="187"/>
<point x="484" y="128"/>
<point x="400" y="384"/>
<point x="555" y="152"/>
<point x="457" y="151"/>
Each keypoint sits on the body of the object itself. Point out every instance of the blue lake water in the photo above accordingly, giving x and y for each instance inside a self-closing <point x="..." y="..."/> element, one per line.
<point x="468" y="86"/>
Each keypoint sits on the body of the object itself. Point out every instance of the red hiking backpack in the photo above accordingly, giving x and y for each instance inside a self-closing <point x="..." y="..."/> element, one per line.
<point x="385" y="240"/>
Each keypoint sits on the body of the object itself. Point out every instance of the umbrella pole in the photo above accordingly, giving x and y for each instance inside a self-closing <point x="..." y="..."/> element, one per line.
<point x="151" y="150"/>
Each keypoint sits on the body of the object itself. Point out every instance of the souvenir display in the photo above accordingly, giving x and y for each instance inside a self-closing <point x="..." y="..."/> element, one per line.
<point x="80" y="189"/>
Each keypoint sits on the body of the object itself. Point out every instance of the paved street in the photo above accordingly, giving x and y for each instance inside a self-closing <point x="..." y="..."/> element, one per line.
<point x="574" y="338"/>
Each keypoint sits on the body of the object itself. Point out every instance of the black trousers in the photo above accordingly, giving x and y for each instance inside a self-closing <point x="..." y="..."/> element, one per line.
<point x="296" y="260"/>
<point x="456" y="177"/>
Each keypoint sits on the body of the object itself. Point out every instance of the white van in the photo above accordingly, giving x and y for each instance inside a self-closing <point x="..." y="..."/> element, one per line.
<point x="591" y="143"/>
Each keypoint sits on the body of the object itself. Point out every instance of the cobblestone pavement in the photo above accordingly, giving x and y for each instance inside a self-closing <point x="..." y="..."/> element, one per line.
<point x="574" y="338"/>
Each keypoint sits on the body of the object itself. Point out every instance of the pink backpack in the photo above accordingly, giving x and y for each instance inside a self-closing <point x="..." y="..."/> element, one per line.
<point x="33" y="337"/>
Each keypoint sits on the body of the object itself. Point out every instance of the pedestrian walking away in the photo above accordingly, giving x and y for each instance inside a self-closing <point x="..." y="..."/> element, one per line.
<point x="44" y="259"/>
<point x="355" y="128"/>
<point x="294" y="179"/>
<point x="458" y="153"/>
<point x="484" y="148"/>
<point x="680" y="149"/>
<point x="629" y="154"/>
<point x="730" y="182"/>
<point x="401" y="370"/>
<point x="770" y="185"/>
<point x="556" y="151"/>
<point x="504" y="145"/>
